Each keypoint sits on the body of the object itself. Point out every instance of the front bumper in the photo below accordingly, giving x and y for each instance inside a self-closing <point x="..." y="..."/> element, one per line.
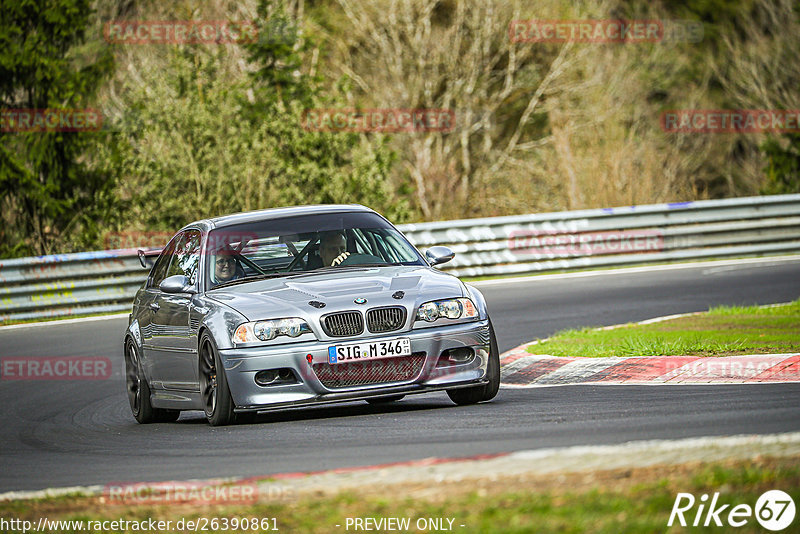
<point x="242" y="364"/>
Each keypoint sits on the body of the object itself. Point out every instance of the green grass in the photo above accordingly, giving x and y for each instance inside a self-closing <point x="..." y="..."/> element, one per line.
<point x="721" y="331"/>
<point x="618" y="501"/>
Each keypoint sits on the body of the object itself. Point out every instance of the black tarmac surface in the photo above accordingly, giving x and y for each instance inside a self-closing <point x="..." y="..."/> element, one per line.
<point x="67" y="433"/>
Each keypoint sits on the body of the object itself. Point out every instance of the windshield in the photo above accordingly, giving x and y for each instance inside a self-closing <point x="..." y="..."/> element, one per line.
<point x="294" y="245"/>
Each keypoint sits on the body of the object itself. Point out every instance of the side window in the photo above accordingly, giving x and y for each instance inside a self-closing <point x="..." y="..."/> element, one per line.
<point x="162" y="264"/>
<point x="186" y="258"/>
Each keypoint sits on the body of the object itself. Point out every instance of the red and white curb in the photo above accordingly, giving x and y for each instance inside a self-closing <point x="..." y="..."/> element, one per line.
<point x="519" y="368"/>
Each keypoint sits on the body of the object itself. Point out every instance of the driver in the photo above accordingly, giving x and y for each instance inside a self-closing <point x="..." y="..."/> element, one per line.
<point x="333" y="248"/>
<point x="225" y="267"/>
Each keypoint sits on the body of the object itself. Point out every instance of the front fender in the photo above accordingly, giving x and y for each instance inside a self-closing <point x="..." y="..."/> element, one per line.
<point x="220" y="320"/>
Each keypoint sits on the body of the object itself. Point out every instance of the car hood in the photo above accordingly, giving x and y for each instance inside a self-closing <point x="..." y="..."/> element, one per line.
<point x="291" y="296"/>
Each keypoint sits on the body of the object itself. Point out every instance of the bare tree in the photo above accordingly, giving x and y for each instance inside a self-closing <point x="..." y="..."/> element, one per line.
<point x="758" y="67"/>
<point x="540" y="125"/>
<point x="431" y="54"/>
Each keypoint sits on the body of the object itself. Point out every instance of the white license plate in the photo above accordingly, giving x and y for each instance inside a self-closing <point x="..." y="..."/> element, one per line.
<point x="355" y="352"/>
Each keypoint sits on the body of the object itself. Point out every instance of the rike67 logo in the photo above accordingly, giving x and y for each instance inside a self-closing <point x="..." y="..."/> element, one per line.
<point x="774" y="510"/>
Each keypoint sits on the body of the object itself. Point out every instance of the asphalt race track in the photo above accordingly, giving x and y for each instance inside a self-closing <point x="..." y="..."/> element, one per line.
<point x="67" y="433"/>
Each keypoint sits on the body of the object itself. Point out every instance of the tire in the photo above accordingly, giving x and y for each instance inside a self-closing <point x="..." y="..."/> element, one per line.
<point x="385" y="400"/>
<point x="214" y="390"/>
<point x="139" y="391"/>
<point x="472" y="395"/>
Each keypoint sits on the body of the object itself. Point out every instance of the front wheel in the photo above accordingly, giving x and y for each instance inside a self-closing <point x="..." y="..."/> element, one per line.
<point x="139" y="391"/>
<point x="486" y="392"/>
<point x="217" y="401"/>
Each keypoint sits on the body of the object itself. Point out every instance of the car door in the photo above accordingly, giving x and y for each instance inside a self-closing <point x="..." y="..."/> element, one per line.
<point x="174" y="346"/>
<point x="149" y="307"/>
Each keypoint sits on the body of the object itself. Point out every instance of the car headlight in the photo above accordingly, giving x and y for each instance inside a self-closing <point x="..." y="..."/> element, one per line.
<point x="268" y="330"/>
<point x="462" y="308"/>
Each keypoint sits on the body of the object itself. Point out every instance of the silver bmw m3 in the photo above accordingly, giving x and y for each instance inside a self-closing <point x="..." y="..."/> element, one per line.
<point x="297" y="307"/>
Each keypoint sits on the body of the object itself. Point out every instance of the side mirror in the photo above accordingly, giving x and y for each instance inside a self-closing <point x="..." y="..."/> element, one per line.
<point x="438" y="255"/>
<point x="142" y="258"/>
<point x="176" y="284"/>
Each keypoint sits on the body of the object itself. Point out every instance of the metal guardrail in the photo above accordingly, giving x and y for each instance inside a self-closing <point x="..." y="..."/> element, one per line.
<point x="96" y="282"/>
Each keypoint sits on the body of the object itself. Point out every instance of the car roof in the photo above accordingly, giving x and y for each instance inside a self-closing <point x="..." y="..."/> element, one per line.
<point x="276" y="213"/>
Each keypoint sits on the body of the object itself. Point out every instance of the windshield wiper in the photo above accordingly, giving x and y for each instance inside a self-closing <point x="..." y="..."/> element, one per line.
<point x="334" y="268"/>
<point x="254" y="278"/>
<point x="318" y="270"/>
<point x="330" y="268"/>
